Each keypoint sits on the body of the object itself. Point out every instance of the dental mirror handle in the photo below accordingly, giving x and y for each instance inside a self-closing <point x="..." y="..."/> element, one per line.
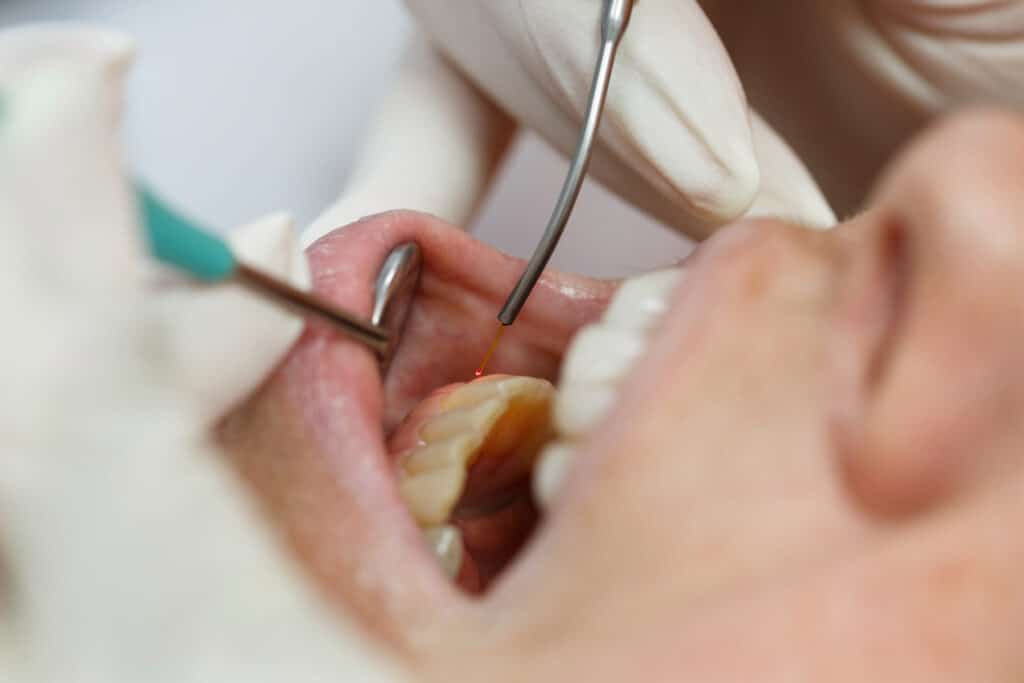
<point x="614" y="21"/>
<point x="177" y="242"/>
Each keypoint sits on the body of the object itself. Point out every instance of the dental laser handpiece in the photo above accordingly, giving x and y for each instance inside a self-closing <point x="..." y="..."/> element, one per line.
<point x="177" y="242"/>
<point x="614" y="21"/>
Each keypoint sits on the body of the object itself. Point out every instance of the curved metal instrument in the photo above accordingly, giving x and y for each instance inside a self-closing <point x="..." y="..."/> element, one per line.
<point x="395" y="288"/>
<point x="615" y="19"/>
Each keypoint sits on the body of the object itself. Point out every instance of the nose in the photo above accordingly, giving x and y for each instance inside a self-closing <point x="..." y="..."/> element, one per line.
<point x="947" y="384"/>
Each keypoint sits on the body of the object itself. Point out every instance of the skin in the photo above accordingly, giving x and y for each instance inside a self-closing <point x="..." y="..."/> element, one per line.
<point x="812" y="474"/>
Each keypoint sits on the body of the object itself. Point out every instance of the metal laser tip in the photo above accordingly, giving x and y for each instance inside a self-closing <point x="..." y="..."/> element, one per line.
<point x="394" y="290"/>
<point x="614" y="21"/>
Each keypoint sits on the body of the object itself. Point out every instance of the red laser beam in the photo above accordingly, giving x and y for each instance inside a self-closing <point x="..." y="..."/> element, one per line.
<point x="490" y="352"/>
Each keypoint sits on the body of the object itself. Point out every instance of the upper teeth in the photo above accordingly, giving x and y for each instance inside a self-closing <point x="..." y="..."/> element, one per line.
<point x="550" y="470"/>
<point x="642" y="301"/>
<point x="600" y="356"/>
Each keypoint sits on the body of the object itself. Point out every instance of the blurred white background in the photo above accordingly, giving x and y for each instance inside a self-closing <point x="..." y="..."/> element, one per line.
<point x="237" y="108"/>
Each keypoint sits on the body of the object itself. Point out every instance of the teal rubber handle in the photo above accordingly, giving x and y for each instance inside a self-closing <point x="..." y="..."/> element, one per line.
<point x="174" y="240"/>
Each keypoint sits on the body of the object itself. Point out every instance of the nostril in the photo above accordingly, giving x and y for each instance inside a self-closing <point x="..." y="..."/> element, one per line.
<point x="893" y="258"/>
<point x="872" y="318"/>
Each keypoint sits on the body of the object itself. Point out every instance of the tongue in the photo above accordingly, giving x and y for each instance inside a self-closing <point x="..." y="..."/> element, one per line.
<point x="311" y="441"/>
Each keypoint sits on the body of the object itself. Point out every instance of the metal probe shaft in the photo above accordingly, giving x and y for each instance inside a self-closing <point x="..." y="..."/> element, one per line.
<point x="306" y="303"/>
<point x="178" y="242"/>
<point x="615" y="19"/>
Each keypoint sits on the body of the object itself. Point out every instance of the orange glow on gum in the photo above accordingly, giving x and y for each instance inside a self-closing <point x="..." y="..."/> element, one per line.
<point x="490" y="352"/>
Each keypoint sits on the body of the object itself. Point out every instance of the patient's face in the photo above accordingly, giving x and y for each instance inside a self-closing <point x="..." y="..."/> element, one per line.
<point x="802" y="467"/>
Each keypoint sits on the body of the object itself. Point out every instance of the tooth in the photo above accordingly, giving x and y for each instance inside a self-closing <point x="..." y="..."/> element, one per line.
<point x="601" y="353"/>
<point x="525" y="387"/>
<point x="549" y="474"/>
<point x="446" y="544"/>
<point x="580" y="406"/>
<point x="477" y="419"/>
<point x="430" y="496"/>
<point x="641" y="301"/>
<point x="452" y="452"/>
<point x="482" y="390"/>
<point x="473" y="394"/>
<point x="504" y="420"/>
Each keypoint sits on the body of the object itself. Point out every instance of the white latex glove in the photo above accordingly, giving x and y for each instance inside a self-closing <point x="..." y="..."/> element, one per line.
<point x="126" y="552"/>
<point x="678" y="139"/>
<point x="848" y="81"/>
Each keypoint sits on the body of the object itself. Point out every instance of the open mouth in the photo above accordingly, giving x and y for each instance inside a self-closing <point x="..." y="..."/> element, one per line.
<point x="404" y="493"/>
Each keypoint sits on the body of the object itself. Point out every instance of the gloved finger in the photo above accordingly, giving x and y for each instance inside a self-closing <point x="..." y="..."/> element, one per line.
<point x="433" y="147"/>
<point x="955" y="51"/>
<point x="69" y="252"/>
<point x="848" y="83"/>
<point x="676" y="137"/>
<point x="67" y="214"/>
<point x="787" y="191"/>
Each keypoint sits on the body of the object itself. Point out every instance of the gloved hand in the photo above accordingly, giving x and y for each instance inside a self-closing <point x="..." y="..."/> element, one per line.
<point x="678" y="138"/>
<point x="127" y="550"/>
<point x="848" y="81"/>
<point x="844" y="82"/>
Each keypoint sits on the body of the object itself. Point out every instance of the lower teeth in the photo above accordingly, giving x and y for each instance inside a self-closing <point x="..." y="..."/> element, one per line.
<point x="446" y="544"/>
<point x="482" y="439"/>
